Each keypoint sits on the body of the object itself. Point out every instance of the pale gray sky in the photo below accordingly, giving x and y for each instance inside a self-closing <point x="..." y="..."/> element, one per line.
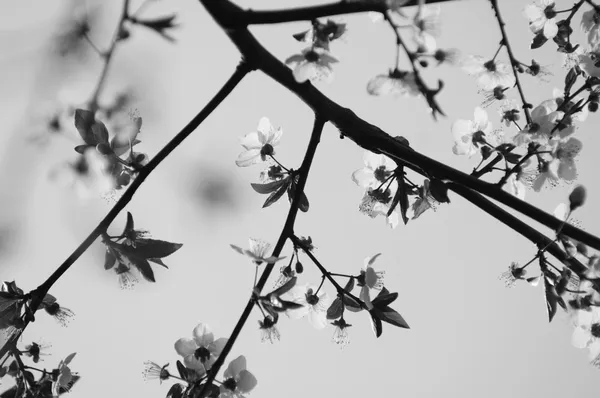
<point x="469" y="337"/>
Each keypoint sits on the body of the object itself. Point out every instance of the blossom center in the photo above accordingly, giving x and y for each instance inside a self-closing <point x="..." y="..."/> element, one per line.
<point x="53" y="308"/>
<point x="549" y="12"/>
<point x="230" y="384"/>
<point x="381" y="174"/>
<point x="595" y="330"/>
<point x="312" y="299"/>
<point x="478" y="137"/>
<point x="202" y="353"/>
<point x="312" y="56"/>
<point x="267" y="150"/>
<point x="381" y="196"/>
<point x="490" y="66"/>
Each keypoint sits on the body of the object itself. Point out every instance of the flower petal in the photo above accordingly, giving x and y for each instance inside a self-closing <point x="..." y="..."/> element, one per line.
<point x="185" y="346"/>
<point x="364" y="178"/>
<point x="251" y="141"/>
<point x="202" y="335"/>
<point x="216" y="347"/>
<point x="246" y="381"/>
<point x="235" y="367"/>
<point x="248" y="158"/>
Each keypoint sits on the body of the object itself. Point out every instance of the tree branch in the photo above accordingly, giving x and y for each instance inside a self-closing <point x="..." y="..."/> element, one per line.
<point x="286" y="233"/>
<point x="536" y="237"/>
<point x="371" y="137"/>
<point x="39" y="293"/>
<point x="251" y="17"/>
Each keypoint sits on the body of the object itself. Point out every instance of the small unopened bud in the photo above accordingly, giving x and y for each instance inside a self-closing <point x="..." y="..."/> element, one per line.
<point x="299" y="267"/>
<point x="577" y="197"/>
<point x="593" y="106"/>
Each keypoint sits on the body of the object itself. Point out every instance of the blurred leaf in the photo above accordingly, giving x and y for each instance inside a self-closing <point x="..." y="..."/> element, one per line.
<point x="336" y="309"/>
<point x="109" y="259"/>
<point x="270" y="186"/>
<point x="376" y="325"/>
<point x="538" y="41"/>
<point x="182" y="370"/>
<point x="84" y="120"/>
<point x="275" y="196"/>
<point x="154" y="248"/>
<point x="551" y="299"/>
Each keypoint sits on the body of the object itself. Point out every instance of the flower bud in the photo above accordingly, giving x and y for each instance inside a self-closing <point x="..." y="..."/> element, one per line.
<point x="577" y="197"/>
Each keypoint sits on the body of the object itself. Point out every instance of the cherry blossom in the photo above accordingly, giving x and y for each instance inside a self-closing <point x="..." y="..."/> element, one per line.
<point x="370" y="278"/>
<point x="62" y="376"/>
<point x="312" y="64"/>
<point x="315" y="304"/>
<point x="201" y="351"/>
<point x="237" y="380"/>
<point x="258" y="251"/>
<point x="590" y="24"/>
<point x="470" y="134"/>
<point x="378" y="169"/>
<point x="154" y="371"/>
<point x="268" y="330"/>
<point x="489" y="73"/>
<point x="426" y="24"/>
<point x="376" y="202"/>
<point x="587" y="333"/>
<point x="340" y="334"/>
<point x="259" y="144"/>
<point x="542" y="18"/>
<point x="396" y="82"/>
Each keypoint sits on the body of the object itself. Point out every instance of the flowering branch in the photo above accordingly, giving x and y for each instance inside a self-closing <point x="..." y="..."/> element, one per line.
<point x="107" y="56"/>
<point x="513" y="60"/>
<point x="250" y="17"/>
<point x="38" y="294"/>
<point x="371" y="137"/>
<point x="536" y="237"/>
<point x="298" y="242"/>
<point x="286" y="233"/>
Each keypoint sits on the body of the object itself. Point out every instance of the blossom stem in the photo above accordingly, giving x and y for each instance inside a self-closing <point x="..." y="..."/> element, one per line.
<point x="286" y="233"/>
<point x="280" y="165"/>
<point x="341" y="275"/>
<point x="323" y="270"/>
<point x="320" y="284"/>
<point x="513" y="60"/>
<point x="38" y="294"/>
<point x="107" y="56"/>
<point x="498" y="50"/>
<point x="86" y="36"/>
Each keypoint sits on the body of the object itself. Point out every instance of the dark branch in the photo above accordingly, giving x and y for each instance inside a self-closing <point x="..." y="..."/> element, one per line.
<point x="371" y="137"/>
<point x="251" y="17"/>
<point x="39" y="293"/>
<point x="286" y="233"/>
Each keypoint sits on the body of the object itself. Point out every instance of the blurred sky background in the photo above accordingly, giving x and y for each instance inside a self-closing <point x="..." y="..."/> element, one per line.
<point x="470" y="337"/>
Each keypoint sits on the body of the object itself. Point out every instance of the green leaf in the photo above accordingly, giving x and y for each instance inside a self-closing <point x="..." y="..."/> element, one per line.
<point x="144" y="267"/>
<point x="182" y="370"/>
<point x="154" y="248"/>
<point x="285" y="287"/>
<point x="269" y="187"/>
<point x="275" y="196"/>
<point x="538" y="41"/>
<point x="176" y="390"/>
<point x="512" y="157"/>
<point x="81" y="148"/>
<point x="84" y="120"/>
<point x="158" y="261"/>
<point x="419" y="207"/>
<point x="128" y="225"/>
<point x="303" y="202"/>
<point x="439" y="190"/>
<point x="551" y="299"/>
<point x="109" y="259"/>
<point x="392" y="317"/>
<point x="383" y="300"/>
<point x="376" y="325"/>
<point x="351" y="304"/>
<point x="336" y="309"/>
<point x="100" y="132"/>
<point x="349" y="285"/>
<point x="401" y="197"/>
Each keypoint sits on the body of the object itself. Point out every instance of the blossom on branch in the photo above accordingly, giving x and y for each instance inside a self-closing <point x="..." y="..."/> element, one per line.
<point x="258" y="251"/>
<point x="237" y="380"/>
<point x="489" y="73"/>
<point x="314" y="305"/>
<point x="396" y="82"/>
<point x="542" y="18"/>
<point x="259" y="144"/>
<point x="202" y="350"/>
<point x="469" y="135"/>
<point x="312" y="64"/>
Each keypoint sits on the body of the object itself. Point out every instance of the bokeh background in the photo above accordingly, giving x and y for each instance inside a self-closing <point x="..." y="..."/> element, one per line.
<point x="469" y="336"/>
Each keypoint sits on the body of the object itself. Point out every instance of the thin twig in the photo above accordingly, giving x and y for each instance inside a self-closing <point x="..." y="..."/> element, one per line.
<point x="371" y="137"/>
<point x="286" y="233"/>
<point x="39" y="293"/>
<point x="93" y="103"/>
